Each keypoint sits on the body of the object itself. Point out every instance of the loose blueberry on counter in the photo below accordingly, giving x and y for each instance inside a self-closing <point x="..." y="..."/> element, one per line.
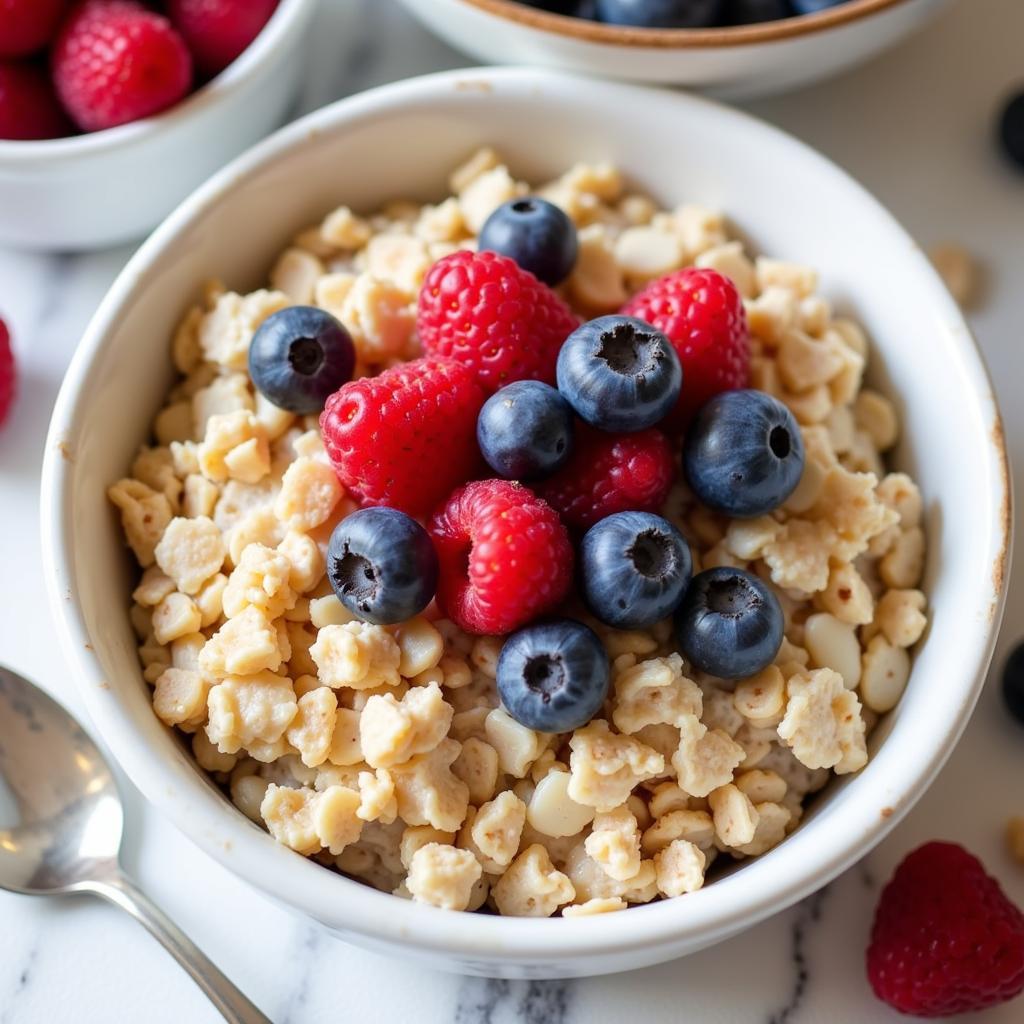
<point x="753" y="12"/>
<point x="660" y="13"/>
<point x="1013" y="682"/>
<point x="619" y="374"/>
<point x="1011" y="130"/>
<point x="299" y="357"/>
<point x="813" y="6"/>
<point x="744" y="454"/>
<point x="729" y="624"/>
<point x="634" y="569"/>
<point x="525" y="430"/>
<point x="553" y="676"/>
<point x="534" y="233"/>
<point x="382" y="565"/>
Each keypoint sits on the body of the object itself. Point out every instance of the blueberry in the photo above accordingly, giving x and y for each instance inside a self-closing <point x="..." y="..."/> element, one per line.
<point x="525" y="430"/>
<point x="1013" y="682"/>
<point x="813" y="6"/>
<point x="534" y="233"/>
<point x="1011" y="130"/>
<point x="660" y="13"/>
<point x="382" y="565"/>
<point x="619" y="373"/>
<point x="570" y="8"/>
<point x="553" y="676"/>
<point x="299" y="357"/>
<point x="634" y="568"/>
<point x="752" y="12"/>
<point x="729" y="624"/>
<point x="743" y="454"/>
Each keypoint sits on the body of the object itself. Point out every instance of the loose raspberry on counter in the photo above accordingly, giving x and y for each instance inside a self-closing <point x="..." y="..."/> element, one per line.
<point x="702" y="314"/>
<point x="945" y="939"/>
<point x="485" y="311"/>
<point x="114" y="62"/>
<point x="505" y="556"/>
<point x="29" y="108"/>
<point x="8" y="373"/>
<point x="611" y="473"/>
<point x="26" y="26"/>
<point x="217" y="31"/>
<point x="407" y="437"/>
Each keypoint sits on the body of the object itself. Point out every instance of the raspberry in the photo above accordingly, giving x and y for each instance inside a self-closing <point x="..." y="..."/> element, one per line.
<point x="504" y="555"/>
<point x="609" y="473"/>
<point x="945" y="939"/>
<point x="115" y="62"/>
<point x="7" y="373"/>
<point x="702" y="314"/>
<point x="217" y="31"/>
<point x="28" y="25"/>
<point x="407" y="437"/>
<point x="28" y="104"/>
<point x="485" y="311"/>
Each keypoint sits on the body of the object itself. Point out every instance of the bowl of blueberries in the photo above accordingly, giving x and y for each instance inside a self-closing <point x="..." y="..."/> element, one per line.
<point x="734" y="49"/>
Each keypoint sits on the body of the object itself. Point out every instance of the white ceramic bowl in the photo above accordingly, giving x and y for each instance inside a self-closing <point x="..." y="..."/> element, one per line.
<point x="731" y="63"/>
<point x="402" y="140"/>
<point x="94" y="190"/>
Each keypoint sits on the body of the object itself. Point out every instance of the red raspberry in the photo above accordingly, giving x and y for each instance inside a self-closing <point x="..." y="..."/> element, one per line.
<point x="487" y="312"/>
<point x="217" y="31"/>
<point x="504" y="555"/>
<point x="946" y="939"/>
<point x="7" y="373"/>
<point x="115" y="62"/>
<point x="702" y="314"/>
<point x="28" y="104"/>
<point x="611" y="473"/>
<point x="28" y="25"/>
<point x="407" y="437"/>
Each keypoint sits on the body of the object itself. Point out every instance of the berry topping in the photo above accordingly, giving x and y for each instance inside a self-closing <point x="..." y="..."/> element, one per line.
<point x="525" y="430"/>
<point x="299" y="357"/>
<point x="8" y="373"/>
<point x="702" y="314"/>
<point x="1013" y="682"/>
<point x="217" y="31"/>
<point x="729" y="624"/>
<point x="619" y="374"/>
<point x="553" y="676"/>
<point x="634" y="568"/>
<point x="744" y="454"/>
<point x="496" y="318"/>
<point x="114" y="62"/>
<point x="750" y="12"/>
<point x="407" y="437"/>
<point x="382" y="565"/>
<point x="660" y="13"/>
<point x="28" y="25"/>
<point x="505" y="556"/>
<point x="946" y="939"/>
<point x="29" y="108"/>
<point x="1011" y="130"/>
<point x="534" y="233"/>
<point x="608" y="474"/>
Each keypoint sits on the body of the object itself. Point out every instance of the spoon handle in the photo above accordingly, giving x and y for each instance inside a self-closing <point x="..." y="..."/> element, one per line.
<point x="232" y="1004"/>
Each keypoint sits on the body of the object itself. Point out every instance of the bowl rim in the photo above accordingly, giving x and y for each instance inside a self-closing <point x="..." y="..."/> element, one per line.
<point x="683" y="38"/>
<point x="232" y="79"/>
<point x="767" y="884"/>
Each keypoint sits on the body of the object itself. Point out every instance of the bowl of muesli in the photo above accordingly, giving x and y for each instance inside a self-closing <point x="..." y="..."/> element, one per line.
<point x="449" y="509"/>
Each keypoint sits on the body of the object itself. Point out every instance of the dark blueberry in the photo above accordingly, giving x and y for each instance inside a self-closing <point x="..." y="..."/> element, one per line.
<point x="753" y="12"/>
<point x="660" y="13"/>
<point x="571" y="8"/>
<point x="382" y="565"/>
<point x="299" y="357"/>
<point x="1013" y="682"/>
<point x="813" y="6"/>
<point x="744" y="454"/>
<point x="634" y="569"/>
<point x="525" y="430"/>
<point x="534" y="233"/>
<point x="1011" y="130"/>
<point x="619" y="373"/>
<point x="553" y="676"/>
<point x="729" y="624"/>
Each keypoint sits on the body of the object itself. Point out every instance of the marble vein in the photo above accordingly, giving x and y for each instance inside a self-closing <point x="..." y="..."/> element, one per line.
<point x="499" y="1001"/>
<point x="808" y="915"/>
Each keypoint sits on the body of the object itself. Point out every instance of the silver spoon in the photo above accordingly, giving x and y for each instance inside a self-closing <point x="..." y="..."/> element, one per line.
<point x="68" y="831"/>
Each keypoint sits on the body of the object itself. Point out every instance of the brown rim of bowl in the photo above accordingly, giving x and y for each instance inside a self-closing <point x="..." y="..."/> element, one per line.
<point x="683" y="38"/>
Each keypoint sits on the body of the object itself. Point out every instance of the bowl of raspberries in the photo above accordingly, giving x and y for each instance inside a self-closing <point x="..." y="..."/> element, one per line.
<point x="733" y="49"/>
<point x="514" y="560"/>
<point x="112" y="111"/>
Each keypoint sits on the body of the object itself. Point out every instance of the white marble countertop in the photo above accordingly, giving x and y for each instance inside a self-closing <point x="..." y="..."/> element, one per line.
<point x="915" y="126"/>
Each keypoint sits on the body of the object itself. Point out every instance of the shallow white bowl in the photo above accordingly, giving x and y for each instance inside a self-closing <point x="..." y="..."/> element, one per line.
<point x="732" y="63"/>
<point x="94" y="190"/>
<point x="402" y="140"/>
